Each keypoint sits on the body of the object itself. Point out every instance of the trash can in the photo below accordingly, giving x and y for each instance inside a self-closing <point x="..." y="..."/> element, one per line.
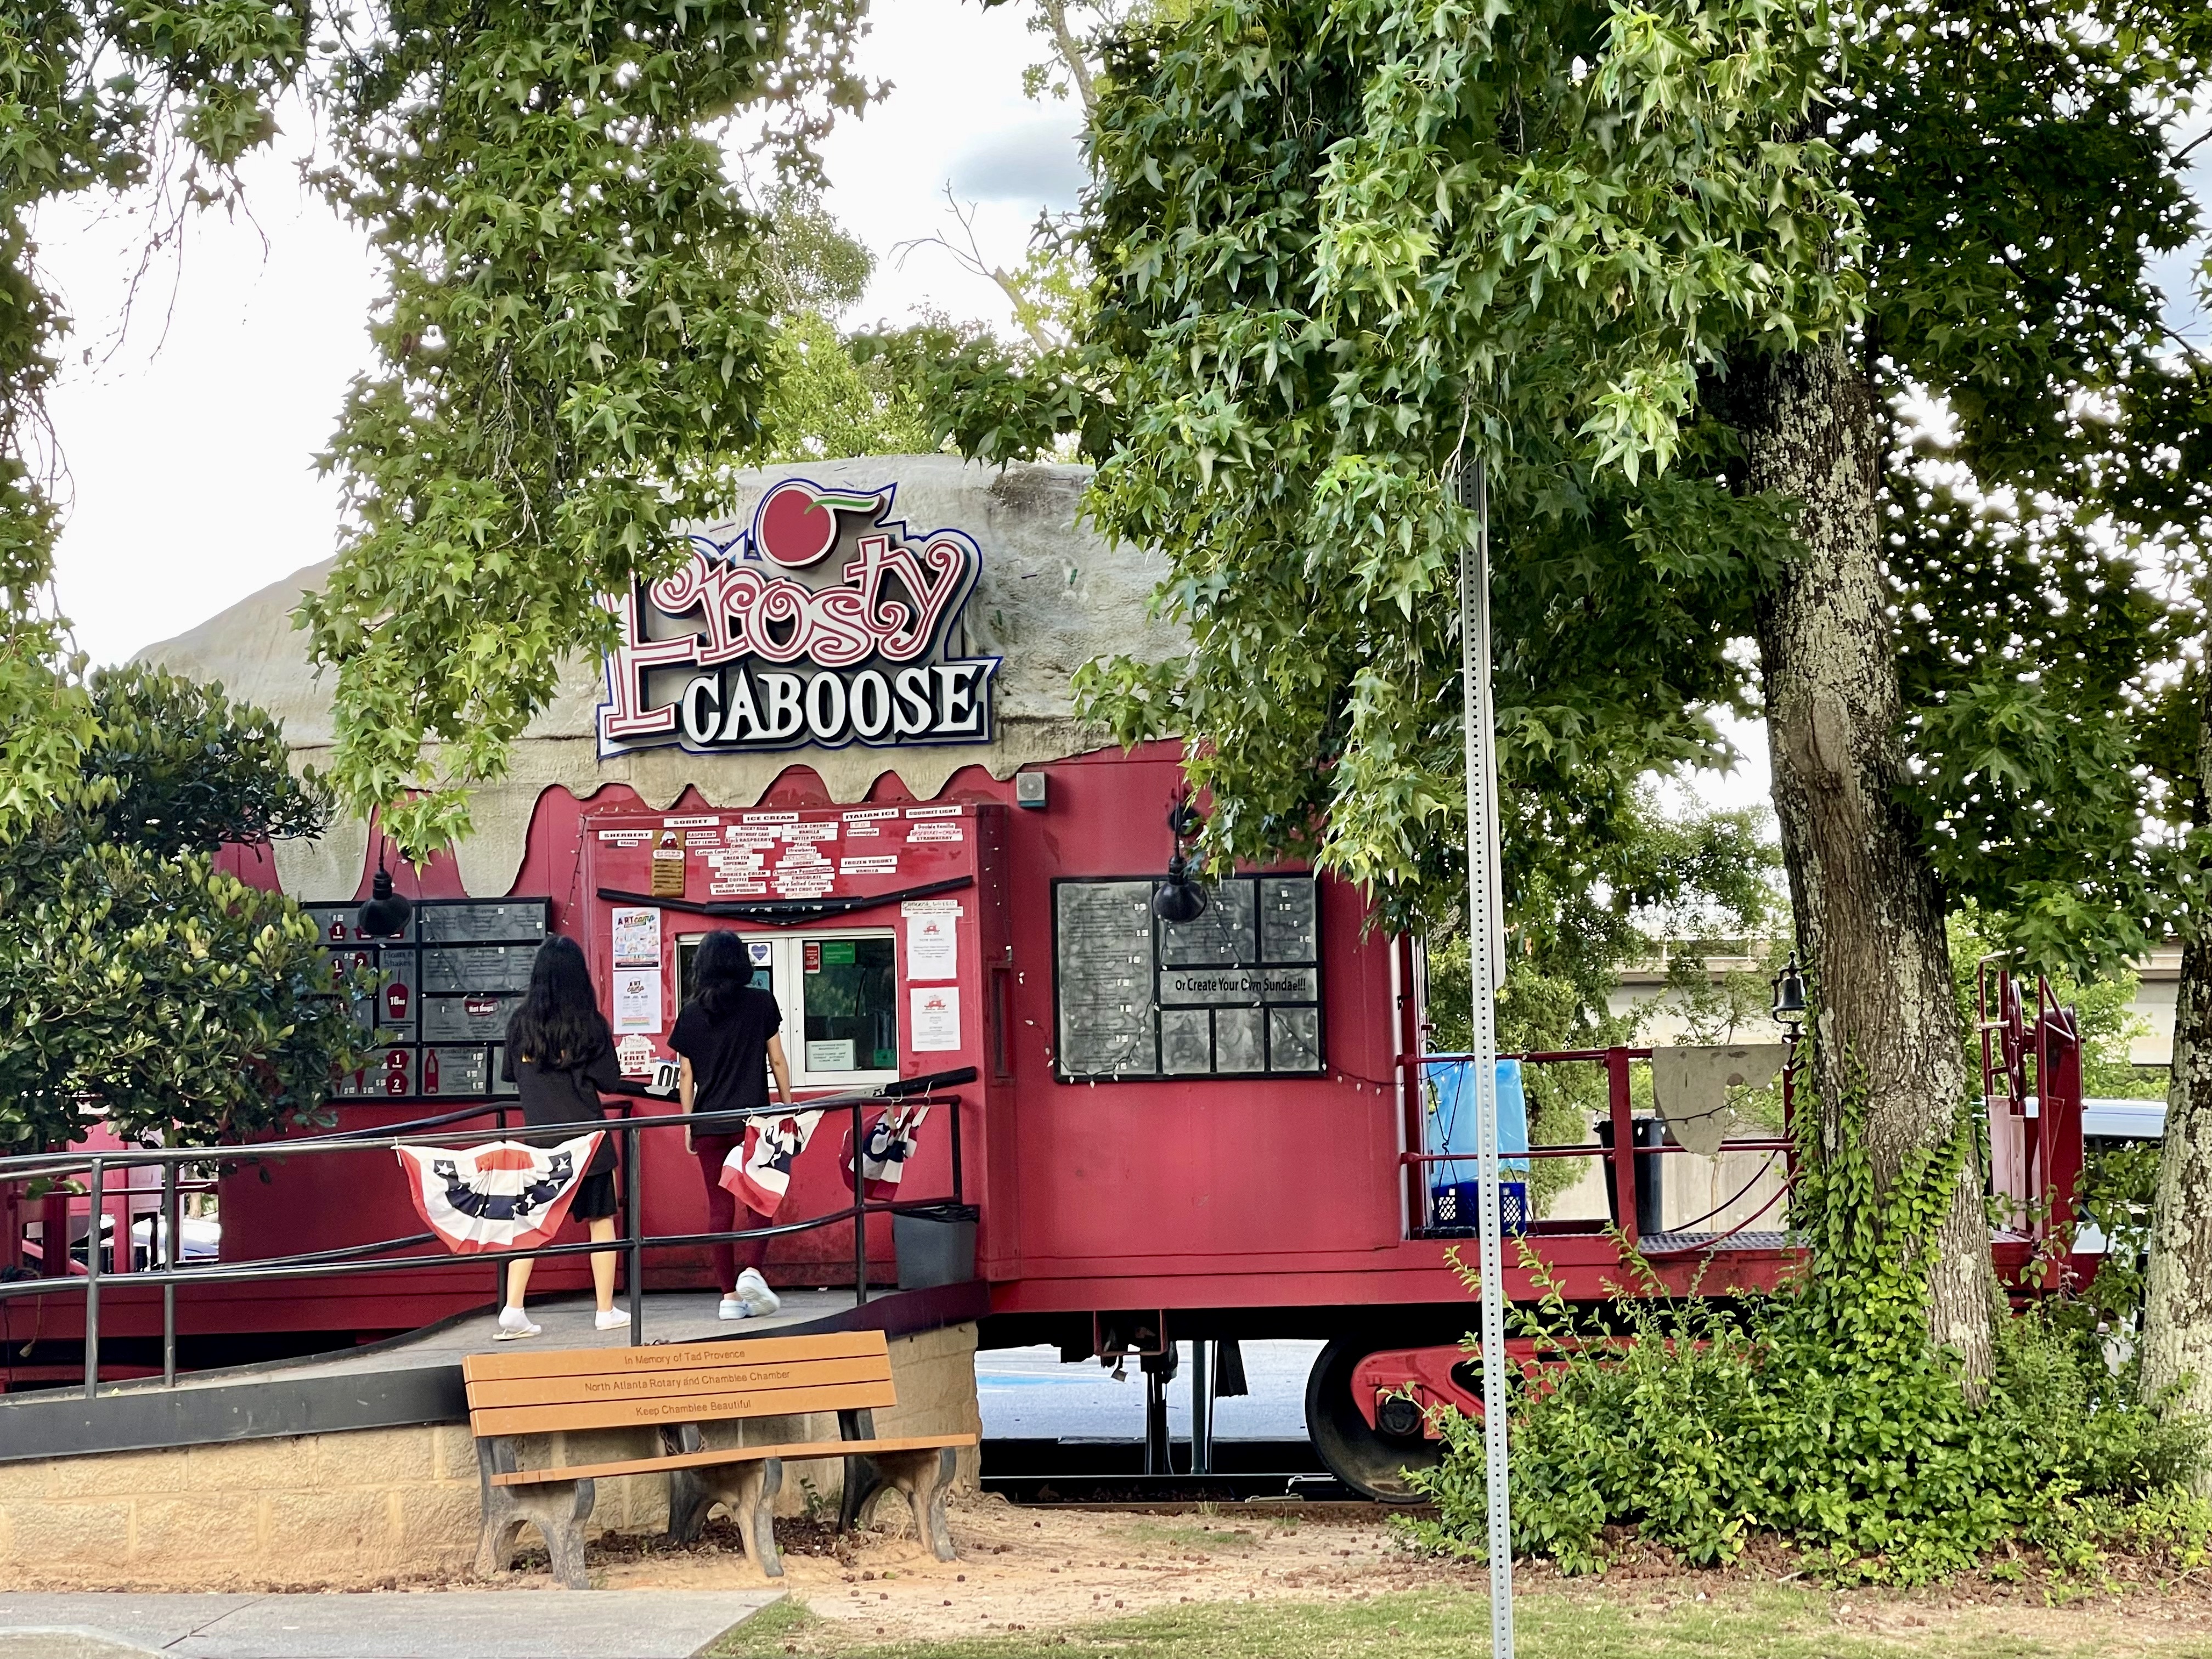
<point x="1651" y="1206"/>
<point x="935" y="1245"/>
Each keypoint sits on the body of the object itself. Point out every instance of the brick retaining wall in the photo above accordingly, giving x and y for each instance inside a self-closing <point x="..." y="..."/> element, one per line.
<point x="360" y="1508"/>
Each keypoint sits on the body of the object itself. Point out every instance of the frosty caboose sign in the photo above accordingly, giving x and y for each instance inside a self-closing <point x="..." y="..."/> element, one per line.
<point x="750" y="647"/>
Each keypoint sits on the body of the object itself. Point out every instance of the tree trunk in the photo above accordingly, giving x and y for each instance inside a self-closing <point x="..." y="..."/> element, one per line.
<point x="1868" y="911"/>
<point x="2177" y="1341"/>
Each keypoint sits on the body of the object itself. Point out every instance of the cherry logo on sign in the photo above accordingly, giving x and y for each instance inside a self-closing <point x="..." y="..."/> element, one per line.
<point x="796" y="523"/>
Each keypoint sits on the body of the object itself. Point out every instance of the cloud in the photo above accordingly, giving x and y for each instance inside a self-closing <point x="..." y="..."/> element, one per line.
<point x="1039" y="161"/>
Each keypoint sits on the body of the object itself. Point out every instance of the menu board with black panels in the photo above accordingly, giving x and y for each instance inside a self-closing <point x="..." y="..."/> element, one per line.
<point x="445" y="990"/>
<point x="1234" y="993"/>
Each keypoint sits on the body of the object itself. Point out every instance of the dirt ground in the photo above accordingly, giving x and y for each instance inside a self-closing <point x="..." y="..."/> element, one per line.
<point x="1031" y="1569"/>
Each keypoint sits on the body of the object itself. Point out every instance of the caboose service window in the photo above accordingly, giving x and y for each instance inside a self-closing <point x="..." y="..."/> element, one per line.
<point x="839" y="993"/>
<point x="1235" y="993"/>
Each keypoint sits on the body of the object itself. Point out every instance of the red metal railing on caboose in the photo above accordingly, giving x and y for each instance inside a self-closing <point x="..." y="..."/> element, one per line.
<point x="1620" y="1158"/>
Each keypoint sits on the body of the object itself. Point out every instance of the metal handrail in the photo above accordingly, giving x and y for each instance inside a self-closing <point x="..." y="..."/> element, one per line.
<point x="1622" y="1159"/>
<point x="357" y="1141"/>
<point x="335" y="1263"/>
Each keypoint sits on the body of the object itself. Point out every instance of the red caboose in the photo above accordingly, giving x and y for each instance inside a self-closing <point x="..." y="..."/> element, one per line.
<point x="844" y="732"/>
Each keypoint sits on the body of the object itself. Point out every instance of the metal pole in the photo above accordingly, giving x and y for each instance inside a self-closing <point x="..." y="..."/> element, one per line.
<point x="1201" y="1409"/>
<point x="1486" y="955"/>
<point x="634" y="1190"/>
<point x="169" y="1265"/>
<point x="959" y="1192"/>
<point x="860" y="1214"/>
<point x="91" y="1279"/>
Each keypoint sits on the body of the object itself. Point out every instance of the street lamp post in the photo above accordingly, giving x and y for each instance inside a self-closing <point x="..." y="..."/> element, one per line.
<point x="1486" y="934"/>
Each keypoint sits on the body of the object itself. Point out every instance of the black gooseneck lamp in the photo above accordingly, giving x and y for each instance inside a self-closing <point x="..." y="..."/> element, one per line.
<point x="1180" y="899"/>
<point x="385" y="915"/>
<point x="1789" y="1009"/>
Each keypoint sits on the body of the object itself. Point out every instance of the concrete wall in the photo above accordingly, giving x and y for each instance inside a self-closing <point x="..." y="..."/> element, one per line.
<point x="1051" y="596"/>
<point x="373" y="1505"/>
<point x="1642" y="991"/>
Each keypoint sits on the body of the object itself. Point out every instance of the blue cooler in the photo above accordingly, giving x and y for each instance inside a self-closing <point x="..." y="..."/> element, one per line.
<point x="1454" y="1188"/>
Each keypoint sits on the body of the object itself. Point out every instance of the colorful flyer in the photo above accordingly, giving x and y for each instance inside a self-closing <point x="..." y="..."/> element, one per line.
<point x="637" y="936"/>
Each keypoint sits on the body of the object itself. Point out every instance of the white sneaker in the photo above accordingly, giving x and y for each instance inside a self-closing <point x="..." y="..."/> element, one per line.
<point x="514" y="1324"/>
<point x="611" y="1320"/>
<point x="754" y="1295"/>
<point x="730" y="1308"/>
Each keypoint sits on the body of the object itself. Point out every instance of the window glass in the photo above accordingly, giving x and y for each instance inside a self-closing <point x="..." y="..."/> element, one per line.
<point x="848" y="997"/>
<point x="687" y="973"/>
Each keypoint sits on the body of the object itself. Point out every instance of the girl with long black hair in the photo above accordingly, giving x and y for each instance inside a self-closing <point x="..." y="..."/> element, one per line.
<point x="560" y="1054"/>
<point x="728" y="1036"/>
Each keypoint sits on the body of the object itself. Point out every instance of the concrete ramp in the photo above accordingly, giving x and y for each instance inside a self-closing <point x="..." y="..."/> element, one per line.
<point x="433" y="1625"/>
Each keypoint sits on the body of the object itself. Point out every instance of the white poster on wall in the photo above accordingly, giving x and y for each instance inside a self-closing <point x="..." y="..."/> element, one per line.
<point x="934" y="1026"/>
<point x="637" y="1000"/>
<point x="933" y="945"/>
<point x="637" y="936"/>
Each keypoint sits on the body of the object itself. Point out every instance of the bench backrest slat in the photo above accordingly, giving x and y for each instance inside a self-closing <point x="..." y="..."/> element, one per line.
<point x="562" y="1389"/>
<point x="595" y="1387"/>
<point x="508" y="1363"/>
<point x="692" y="1408"/>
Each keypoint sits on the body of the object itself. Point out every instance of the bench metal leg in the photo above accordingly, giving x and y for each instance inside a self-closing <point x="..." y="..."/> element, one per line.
<point x="558" y="1509"/>
<point x="861" y="1477"/>
<point x="747" y="1490"/>
<point x="923" y="1477"/>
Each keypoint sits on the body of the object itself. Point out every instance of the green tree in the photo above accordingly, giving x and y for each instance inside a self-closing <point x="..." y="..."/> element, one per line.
<point x="138" y="983"/>
<point x="95" y="94"/>
<point x="573" y="349"/>
<point x="834" y="393"/>
<point x="573" y="344"/>
<point x="1669" y="270"/>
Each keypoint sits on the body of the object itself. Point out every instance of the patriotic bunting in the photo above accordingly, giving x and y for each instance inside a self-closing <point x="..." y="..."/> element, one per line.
<point x="502" y="1196"/>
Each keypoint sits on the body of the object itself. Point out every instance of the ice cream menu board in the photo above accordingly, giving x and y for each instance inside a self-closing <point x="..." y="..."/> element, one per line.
<point x="764" y="856"/>
<point x="1103" y="957"/>
<point x="1234" y="993"/>
<point x="445" y="989"/>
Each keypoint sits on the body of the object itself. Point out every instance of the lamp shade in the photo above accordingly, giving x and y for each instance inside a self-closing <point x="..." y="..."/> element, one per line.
<point x="1178" y="899"/>
<point x="385" y="915"/>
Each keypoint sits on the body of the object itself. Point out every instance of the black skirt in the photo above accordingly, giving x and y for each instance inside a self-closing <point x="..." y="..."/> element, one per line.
<point x="595" y="1198"/>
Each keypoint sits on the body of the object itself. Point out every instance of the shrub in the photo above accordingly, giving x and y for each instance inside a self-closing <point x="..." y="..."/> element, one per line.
<point x="1823" y="1415"/>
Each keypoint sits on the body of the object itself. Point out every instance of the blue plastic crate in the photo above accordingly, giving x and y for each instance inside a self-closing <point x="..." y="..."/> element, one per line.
<point x="1459" y="1204"/>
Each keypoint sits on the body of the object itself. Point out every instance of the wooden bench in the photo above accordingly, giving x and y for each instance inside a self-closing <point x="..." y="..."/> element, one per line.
<point x="680" y="1390"/>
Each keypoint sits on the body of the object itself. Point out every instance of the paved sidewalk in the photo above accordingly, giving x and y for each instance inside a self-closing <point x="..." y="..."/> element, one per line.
<point x="385" y="1625"/>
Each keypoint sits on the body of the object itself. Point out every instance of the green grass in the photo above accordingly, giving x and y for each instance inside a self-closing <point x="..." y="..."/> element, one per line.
<point x="1615" y="1622"/>
<point x="766" y="1632"/>
<point x="1215" y="1535"/>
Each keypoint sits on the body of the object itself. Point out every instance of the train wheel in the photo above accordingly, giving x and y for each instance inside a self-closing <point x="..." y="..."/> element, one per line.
<point x="1367" y="1457"/>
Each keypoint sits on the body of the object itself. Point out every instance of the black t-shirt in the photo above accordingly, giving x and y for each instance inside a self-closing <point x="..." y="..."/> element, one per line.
<point x="547" y="1094"/>
<point x="728" y="1054"/>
